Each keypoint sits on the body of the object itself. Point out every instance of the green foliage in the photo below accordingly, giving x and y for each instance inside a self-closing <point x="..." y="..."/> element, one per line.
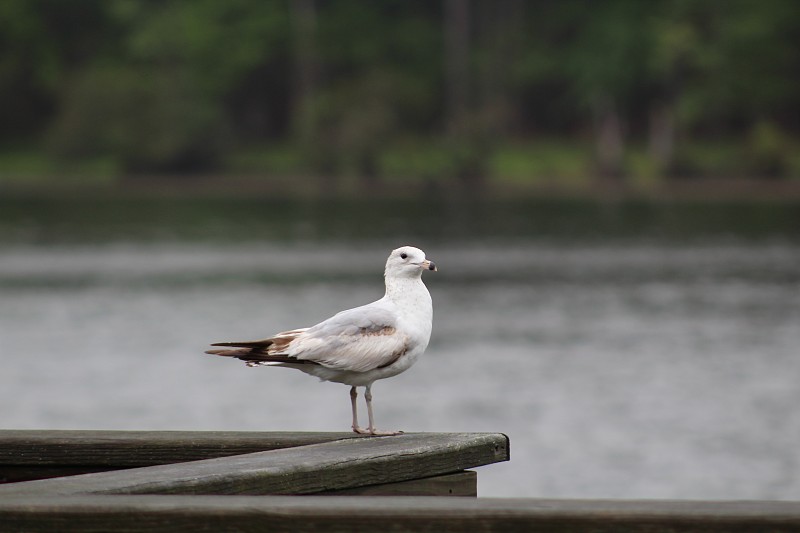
<point x="40" y="40"/>
<point x="768" y="150"/>
<point x="606" y="57"/>
<point x="163" y="107"/>
<point x="545" y="161"/>
<point x="417" y="161"/>
<point x="276" y="160"/>
<point x="666" y="88"/>
<point x="716" y="159"/>
<point x="145" y="120"/>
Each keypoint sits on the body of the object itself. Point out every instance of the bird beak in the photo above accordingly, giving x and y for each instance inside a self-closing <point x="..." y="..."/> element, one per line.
<point x="428" y="265"/>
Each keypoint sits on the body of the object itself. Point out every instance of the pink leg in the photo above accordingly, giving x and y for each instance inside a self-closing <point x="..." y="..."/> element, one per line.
<point x="354" y="407"/>
<point x="371" y="429"/>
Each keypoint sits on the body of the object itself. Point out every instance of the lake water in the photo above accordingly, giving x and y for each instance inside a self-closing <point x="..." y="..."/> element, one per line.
<point x="627" y="351"/>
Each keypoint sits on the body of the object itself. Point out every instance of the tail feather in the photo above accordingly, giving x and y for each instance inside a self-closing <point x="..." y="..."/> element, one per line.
<point x="256" y="355"/>
<point x="264" y="343"/>
<point x="270" y="350"/>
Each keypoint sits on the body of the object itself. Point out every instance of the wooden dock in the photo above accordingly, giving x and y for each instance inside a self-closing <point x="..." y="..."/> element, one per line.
<point x="233" y="481"/>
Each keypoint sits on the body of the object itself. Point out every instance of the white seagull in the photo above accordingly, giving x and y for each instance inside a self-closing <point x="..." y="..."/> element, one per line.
<point x="360" y="345"/>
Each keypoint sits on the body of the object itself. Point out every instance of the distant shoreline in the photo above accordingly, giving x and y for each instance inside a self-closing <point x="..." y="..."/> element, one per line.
<point x="292" y="188"/>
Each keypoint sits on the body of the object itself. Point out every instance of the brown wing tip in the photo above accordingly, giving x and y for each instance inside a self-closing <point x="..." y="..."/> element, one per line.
<point x="230" y="353"/>
<point x="246" y="344"/>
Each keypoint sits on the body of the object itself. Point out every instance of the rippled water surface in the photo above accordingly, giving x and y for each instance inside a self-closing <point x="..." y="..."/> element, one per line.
<point x="638" y="368"/>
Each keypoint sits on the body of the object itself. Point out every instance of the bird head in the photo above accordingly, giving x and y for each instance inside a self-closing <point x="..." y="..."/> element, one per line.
<point x="407" y="261"/>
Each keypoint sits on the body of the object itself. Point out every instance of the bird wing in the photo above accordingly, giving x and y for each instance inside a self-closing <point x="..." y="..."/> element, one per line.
<point x="356" y="340"/>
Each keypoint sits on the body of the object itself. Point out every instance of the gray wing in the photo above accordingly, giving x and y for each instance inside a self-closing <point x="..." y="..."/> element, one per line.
<point x="357" y="340"/>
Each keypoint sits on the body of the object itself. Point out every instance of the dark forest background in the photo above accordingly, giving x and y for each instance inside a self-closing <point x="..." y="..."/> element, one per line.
<point x="344" y="95"/>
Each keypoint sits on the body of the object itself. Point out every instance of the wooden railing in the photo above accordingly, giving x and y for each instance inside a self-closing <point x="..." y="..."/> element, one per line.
<point x="230" y="481"/>
<point x="121" y="462"/>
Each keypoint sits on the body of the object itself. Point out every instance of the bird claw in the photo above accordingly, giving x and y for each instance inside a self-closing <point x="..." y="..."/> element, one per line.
<point x="378" y="433"/>
<point x="375" y="432"/>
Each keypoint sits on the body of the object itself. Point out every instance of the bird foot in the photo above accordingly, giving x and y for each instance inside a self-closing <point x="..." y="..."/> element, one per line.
<point x="375" y="432"/>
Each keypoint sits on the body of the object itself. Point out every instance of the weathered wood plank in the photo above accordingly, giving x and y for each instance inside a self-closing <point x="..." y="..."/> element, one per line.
<point x="308" y="469"/>
<point x="40" y="454"/>
<point x="17" y="473"/>
<point x="458" y="484"/>
<point x="143" y="448"/>
<point x="364" y="514"/>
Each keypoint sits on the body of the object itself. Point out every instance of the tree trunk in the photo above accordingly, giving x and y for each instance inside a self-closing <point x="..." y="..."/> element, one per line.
<point x="501" y="25"/>
<point x="304" y="22"/>
<point x="456" y="67"/>
<point x="661" y="141"/>
<point x="463" y="125"/>
<point x="609" y="144"/>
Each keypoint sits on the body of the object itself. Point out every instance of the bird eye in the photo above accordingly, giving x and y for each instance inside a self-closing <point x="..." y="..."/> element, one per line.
<point x="403" y="255"/>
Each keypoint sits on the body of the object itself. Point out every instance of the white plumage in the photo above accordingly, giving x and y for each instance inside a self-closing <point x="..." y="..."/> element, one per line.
<point x="360" y="345"/>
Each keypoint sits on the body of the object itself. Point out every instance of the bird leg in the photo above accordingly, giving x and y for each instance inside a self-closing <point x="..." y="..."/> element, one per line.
<point x="354" y="406"/>
<point x="371" y="429"/>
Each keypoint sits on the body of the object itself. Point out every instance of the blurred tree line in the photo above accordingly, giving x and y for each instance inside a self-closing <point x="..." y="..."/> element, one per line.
<point x="395" y="90"/>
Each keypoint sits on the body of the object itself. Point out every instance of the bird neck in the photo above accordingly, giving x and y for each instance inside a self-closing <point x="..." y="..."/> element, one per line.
<point x="397" y="286"/>
<point x="410" y="296"/>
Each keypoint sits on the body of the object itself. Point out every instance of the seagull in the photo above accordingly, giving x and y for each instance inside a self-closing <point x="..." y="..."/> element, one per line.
<point x="357" y="346"/>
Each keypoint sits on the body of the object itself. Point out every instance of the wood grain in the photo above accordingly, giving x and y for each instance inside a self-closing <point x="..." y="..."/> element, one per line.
<point x="143" y="448"/>
<point x="38" y="454"/>
<point x="335" y="465"/>
<point x="458" y="484"/>
<point x="398" y="514"/>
